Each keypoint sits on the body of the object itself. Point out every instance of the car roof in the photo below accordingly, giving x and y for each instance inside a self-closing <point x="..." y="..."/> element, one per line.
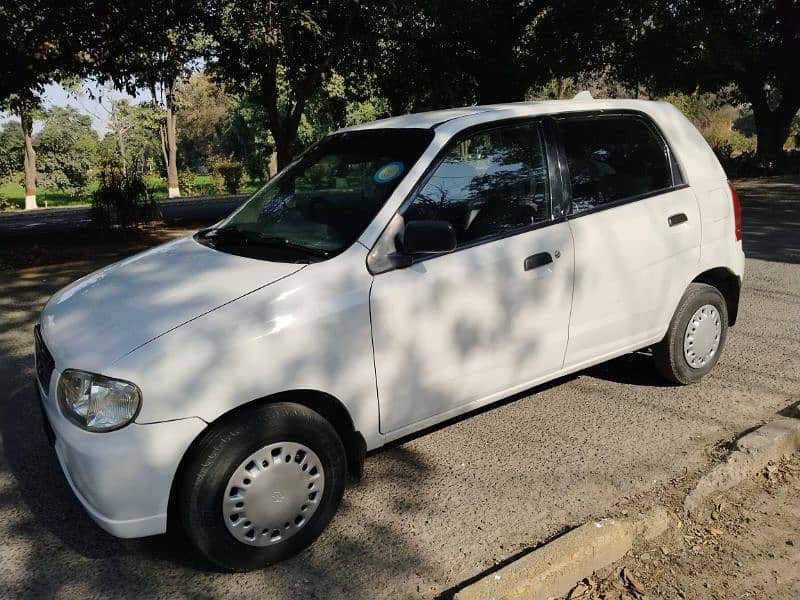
<point x="495" y="112"/>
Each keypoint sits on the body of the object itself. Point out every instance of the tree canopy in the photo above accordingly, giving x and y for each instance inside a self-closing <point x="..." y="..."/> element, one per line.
<point x="280" y="53"/>
<point x="66" y="148"/>
<point x="247" y="81"/>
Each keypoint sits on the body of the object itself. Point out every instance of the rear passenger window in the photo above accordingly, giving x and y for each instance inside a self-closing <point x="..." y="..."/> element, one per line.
<point x="613" y="158"/>
<point x="488" y="184"/>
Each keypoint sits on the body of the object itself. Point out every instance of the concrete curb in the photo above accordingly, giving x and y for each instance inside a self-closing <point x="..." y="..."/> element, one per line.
<point x="753" y="451"/>
<point x="554" y="569"/>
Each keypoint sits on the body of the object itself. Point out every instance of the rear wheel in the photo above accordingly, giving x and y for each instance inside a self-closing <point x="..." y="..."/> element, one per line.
<point x="262" y="486"/>
<point x="696" y="336"/>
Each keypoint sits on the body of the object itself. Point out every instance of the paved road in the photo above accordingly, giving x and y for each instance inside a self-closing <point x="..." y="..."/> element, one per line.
<point x="441" y="508"/>
<point x="187" y="211"/>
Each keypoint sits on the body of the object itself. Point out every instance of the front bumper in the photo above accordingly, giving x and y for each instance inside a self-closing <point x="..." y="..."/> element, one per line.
<point x="122" y="478"/>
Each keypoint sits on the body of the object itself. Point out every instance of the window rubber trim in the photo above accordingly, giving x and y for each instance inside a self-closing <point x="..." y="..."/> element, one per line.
<point x="628" y="200"/>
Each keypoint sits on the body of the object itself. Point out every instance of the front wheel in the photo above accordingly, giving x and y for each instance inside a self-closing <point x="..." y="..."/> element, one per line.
<point x="262" y="485"/>
<point x="695" y="337"/>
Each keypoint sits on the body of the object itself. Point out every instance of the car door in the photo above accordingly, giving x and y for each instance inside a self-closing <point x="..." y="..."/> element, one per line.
<point x="636" y="230"/>
<point x="456" y="329"/>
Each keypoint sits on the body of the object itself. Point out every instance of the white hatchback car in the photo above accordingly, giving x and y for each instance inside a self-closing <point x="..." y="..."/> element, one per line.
<point x="395" y="275"/>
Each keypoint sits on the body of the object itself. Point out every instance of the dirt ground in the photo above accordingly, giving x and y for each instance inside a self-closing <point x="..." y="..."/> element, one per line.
<point x="747" y="547"/>
<point x="84" y="244"/>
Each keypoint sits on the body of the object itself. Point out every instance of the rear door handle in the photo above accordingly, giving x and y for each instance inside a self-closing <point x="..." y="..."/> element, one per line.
<point x="677" y="219"/>
<point x="535" y="261"/>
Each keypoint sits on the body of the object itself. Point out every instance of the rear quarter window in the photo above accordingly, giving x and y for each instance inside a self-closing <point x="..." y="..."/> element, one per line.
<point x="613" y="158"/>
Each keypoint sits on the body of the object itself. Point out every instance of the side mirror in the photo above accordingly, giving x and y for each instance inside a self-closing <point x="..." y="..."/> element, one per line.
<point x="427" y="237"/>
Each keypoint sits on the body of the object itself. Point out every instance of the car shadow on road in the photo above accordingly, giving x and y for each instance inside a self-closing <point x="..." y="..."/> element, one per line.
<point x="636" y="368"/>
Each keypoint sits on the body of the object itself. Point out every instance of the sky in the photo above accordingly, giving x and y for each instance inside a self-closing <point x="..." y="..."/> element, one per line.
<point x="98" y="107"/>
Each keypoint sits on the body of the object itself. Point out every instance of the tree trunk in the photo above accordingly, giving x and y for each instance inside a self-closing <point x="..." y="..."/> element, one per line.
<point x="121" y="146"/>
<point x="772" y="131"/>
<point x="772" y="125"/>
<point x="284" y="132"/>
<point x="26" y="121"/>
<point x="120" y="137"/>
<point x="272" y="168"/>
<point x="169" y="142"/>
<point x="172" y="152"/>
<point x="284" y="142"/>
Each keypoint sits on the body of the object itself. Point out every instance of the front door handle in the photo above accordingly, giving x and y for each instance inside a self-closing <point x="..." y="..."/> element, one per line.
<point x="677" y="219"/>
<point x="535" y="261"/>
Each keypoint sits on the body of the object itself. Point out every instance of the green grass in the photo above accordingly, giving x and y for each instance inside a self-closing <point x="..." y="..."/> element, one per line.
<point x="203" y="186"/>
<point x="15" y="193"/>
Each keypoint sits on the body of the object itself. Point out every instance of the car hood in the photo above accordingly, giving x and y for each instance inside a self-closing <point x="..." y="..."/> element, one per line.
<point x="102" y="317"/>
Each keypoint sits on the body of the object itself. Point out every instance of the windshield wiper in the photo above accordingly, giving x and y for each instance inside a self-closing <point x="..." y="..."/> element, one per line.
<point x="259" y="239"/>
<point x="284" y="243"/>
<point x="225" y="230"/>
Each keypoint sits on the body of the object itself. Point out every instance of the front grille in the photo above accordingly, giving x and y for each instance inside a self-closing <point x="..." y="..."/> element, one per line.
<point x="44" y="361"/>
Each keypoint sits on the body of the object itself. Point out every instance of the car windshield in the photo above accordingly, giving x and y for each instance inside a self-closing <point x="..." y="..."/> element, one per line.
<point x="322" y="202"/>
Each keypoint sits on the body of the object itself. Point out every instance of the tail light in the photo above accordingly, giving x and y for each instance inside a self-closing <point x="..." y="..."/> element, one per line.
<point x="737" y="213"/>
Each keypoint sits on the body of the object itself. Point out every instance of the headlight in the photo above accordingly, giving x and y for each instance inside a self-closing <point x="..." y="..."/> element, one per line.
<point x="97" y="403"/>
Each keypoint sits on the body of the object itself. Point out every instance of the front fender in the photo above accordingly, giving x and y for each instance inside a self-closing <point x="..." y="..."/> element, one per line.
<point x="308" y="331"/>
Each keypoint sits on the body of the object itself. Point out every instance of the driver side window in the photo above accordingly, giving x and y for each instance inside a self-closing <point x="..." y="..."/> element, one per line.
<point x="488" y="184"/>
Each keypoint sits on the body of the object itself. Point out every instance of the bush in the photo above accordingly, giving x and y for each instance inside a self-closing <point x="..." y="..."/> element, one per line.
<point x="123" y="201"/>
<point x="227" y="175"/>
<point x="217" y="183"/>
<point x="746" y="165"/>
<point x="5" y="203"/>
<point x="728" y="144"/>
<point x="186" y="182"/>
<point x="255" y="166"/>
<point x="210" y="188"/>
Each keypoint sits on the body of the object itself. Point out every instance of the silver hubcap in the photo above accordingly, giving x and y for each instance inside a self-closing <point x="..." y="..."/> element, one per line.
<point x="701" y="340"/>
<point x="273" y="493"/>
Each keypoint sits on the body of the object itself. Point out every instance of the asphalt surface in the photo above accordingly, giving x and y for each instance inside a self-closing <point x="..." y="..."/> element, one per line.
<point x="200" y="210"/>
<point x="441" y="508"/>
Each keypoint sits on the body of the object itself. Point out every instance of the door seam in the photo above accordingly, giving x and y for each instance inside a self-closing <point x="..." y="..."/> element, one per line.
<point x="572" y="293"/>
<point x="374" y="364"/>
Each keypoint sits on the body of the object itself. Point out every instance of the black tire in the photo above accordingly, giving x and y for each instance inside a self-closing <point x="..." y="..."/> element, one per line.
<point x="669" y="355"/>
<point x="219" y="453"/>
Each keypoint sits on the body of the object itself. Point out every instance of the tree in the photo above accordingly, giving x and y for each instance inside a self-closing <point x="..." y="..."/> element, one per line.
<point x="26" y="105"/>
<point x="25" y="109"/>
<point x="154" y="49"/>
<point x="245" y="137"/>
<point x="753" y="44"/>
<point x="279" y="53"/>
<point x="204" y="106"/>
<point x="42" y="42"/>
<point x="136" y="130"/>
<point x="748" y="47"/>
<point x="483" y="39"/>
<point x="11" y="149"/>
<point x="67" y="147"/>
<point x="120" y="124"/>
<point x="433" y="56"/>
